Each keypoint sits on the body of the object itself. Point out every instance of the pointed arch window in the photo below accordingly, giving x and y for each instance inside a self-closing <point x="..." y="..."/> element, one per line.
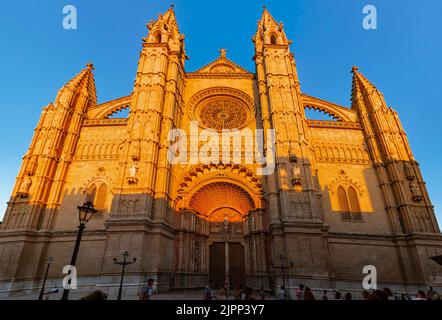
<point x="157" y="37"/>
<point x="349" y="204"/>
<point x="90" y="193"/>
<point x="97" y="194"/>
<point x="100" y="197"/>
<point x="273" y="39"/>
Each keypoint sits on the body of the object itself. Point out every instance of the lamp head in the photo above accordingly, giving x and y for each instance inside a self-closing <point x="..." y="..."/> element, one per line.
<point x="85" y="212"/>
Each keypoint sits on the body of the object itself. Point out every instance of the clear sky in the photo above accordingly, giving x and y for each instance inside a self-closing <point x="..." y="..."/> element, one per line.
<point x="402" y="58"/>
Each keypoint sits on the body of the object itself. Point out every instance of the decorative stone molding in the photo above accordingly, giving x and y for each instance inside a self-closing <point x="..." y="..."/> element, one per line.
<point x="344" y="178"/>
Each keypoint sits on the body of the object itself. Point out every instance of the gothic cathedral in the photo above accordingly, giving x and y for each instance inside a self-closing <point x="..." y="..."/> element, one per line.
<point x="343" y="193"/>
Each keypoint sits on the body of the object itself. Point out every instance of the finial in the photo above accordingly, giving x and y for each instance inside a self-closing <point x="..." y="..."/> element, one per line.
<point x="172" y="6"/>
<point x="90" y="66"/>
<point x="264" y="7"/>
<point x="223" y="52"/>
<point x="354" y="69"/>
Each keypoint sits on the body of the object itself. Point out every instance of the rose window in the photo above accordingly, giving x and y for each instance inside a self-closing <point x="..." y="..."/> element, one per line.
<point x="222" y="114"/>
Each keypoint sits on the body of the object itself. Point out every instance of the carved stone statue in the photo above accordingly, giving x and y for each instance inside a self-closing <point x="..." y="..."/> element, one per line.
<point x="226" y="228"/>
<point x="296" y="176"/>
<point x="133" y="170"/>
<point x="409" y="171"/>
<point x="415" y="191"/>
<point x="25" y="186"/>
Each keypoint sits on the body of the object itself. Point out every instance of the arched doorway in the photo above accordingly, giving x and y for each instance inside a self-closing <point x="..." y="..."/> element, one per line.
<point x="225" y="205"/>
<point x="220" y="212"/>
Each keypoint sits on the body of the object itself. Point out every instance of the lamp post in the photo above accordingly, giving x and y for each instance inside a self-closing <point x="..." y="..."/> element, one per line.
<point x="85" y="213"/>
<point x="49" y="261"/>
<point x="283" y="268"/>
<point x="123" y="263"/>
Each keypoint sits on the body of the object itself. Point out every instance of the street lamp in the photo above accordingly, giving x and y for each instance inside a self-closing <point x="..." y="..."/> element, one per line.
<point x="283" y="268"/>
<point x="85" y="213"/>
<point x="49" y="261"/>
<point x="123" y="263"/>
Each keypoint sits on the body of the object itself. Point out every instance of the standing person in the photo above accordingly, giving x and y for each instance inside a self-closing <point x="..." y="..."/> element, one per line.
<point x="420" y="295"/>
<point x="300" y="292"/>
<point x="324" y="295"/>
<point x="308" y="294"/>
<point x="431" y="294"/>
<point x="338" y="295"/>
<point x="147" y="292"/>
<point x="282" y="295"/>
<point x="208" y="291"/>
<point x="96" y="295"/>
<point x="262" y="293"/>
<point x="388" y="293"/>
<point x="222" y="292"/>
<point x="226" y="291"/>
<point x="238" y="293"/>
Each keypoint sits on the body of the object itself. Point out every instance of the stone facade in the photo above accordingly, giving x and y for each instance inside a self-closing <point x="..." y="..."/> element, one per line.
<point x="344" y="193"/>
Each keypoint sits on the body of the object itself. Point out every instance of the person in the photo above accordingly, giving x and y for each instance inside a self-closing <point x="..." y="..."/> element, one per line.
<point x="238" y="292"/>
<point x="248" y="294"/>
<point x="262" y="293"/>
<point x="365" y="295"/>
<point x="431" y="294"/>
<point x="208" y="291"/>
<point x="147" y="292"/>
<point x="380" y="295"/>
<point x="97" y="295"/>
<point x="338" y="295"/>
<point x="222" y="292"/>
<point x="388" y="293"/>
<point x="300" y="292"/>
<point x="226" y="290"/>
<point x="324" y="295"/>
<point x="348" y="296"/>
<point x="282" y="294"/>
<point x="420" y="295"/>
<point x="308" y="294"/>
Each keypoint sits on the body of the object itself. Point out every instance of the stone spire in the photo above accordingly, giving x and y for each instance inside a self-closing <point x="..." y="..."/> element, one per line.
<point x="83" y="83"/>
<point x="165" y="31"/>
<point x="269" y="31"/>
<point x="362" y="87"/>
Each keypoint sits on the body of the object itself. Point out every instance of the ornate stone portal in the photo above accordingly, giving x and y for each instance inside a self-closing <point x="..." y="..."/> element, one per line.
<point x="345" y="193"/>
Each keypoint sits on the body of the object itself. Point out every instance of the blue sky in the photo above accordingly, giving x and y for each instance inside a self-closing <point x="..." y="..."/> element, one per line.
<point x="402" y="57"/>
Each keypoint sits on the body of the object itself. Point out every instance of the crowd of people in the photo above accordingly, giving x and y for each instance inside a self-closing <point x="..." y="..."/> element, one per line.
<point x="302" y="292"/>
<point x="239" y="293"/>
<point x="305" y="293"/>
<point x="212" y="292"/>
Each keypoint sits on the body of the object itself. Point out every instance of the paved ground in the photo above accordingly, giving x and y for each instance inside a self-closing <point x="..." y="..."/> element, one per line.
<point x="194" y="295"/>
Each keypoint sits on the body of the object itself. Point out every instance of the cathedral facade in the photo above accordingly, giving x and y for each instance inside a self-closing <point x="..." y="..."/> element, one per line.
<point x="337" y="195"/>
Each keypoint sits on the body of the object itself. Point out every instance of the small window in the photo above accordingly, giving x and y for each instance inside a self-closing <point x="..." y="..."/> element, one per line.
<point x="342" y="197"/>
<point x="97" y="194"/>
<point x="100" y="198"/>
<point x="349" y="204"/>
<point x="157" y="37"/>
<point x="273" y="39"/>
<point x="353" y="199"/>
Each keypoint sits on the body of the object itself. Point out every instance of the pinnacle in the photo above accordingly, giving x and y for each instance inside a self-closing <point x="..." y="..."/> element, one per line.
<point x="361" y="85"/>
<point x="84" y="82"/>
